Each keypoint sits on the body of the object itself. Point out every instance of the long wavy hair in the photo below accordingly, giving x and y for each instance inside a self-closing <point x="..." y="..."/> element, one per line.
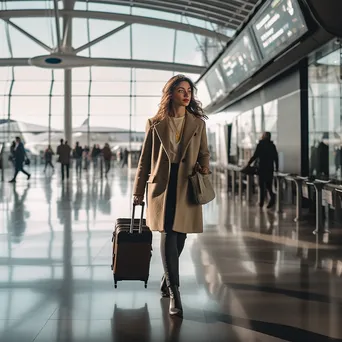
<point x="165" y="107"/>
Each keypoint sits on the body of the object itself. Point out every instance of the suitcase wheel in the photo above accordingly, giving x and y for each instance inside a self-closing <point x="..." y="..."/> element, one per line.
<point x="145" y="284"/>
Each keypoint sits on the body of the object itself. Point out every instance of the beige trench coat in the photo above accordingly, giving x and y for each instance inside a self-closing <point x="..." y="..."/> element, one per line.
<point x="154" y="170"/>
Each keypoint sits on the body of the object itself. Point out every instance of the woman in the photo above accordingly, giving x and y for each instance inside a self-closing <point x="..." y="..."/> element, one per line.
<point x="175" y="144"/>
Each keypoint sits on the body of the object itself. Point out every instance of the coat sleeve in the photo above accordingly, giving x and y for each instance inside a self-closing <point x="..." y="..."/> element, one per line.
<point x="203" y="155"/>
<point x="144" y="165"/>
<point x="255" y="156"/>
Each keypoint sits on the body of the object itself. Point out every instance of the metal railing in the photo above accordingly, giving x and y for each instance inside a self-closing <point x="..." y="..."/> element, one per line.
<point x="326" y="194"/>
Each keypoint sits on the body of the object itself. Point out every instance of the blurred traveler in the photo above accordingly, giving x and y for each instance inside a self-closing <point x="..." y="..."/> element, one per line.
<point x="48" y="158"/>
<point x="77" y="154"/>
<point x="20" y="157"/>
<point x="107" y="156"/>
<point x="64" y="151"/>
<point x="266" y="156"/>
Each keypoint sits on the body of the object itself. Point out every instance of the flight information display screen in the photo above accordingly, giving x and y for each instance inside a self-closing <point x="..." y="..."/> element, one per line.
<point x="240" y="60"/>
<point x="215" y="84"/>
<point x="278" y="25"/>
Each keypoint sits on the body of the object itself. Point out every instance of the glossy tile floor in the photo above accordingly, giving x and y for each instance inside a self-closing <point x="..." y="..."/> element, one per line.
<point x="251" y="276"/>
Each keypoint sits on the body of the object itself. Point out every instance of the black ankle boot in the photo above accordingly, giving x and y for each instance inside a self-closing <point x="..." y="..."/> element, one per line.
<point x="164" y="291"/>
<point x="175" y="308"/>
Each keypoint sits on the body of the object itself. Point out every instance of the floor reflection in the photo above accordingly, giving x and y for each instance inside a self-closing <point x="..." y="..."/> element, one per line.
<point x="252" y="276"/>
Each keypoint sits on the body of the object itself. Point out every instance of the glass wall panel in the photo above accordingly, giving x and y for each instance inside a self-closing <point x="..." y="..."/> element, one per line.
<point x="248" y="127"/>
<point x="187" y="49"/>
<point x="155" y="14"/>
<point x="147" y="106"/>
<point x="110" y="88"/>
<point x="80" y="88"/>
<point x="79" y="105"/>
<point x="57" y="122"/>
<point x="28" y="89"/>
<point x="22" y="46"/>
<point x="29" y="4"/>
<point x="270" y="117"/>
<point x="57" y="106"/>
<point x="5" y="73"/>
<point x="115" y="46"/>
<point x="32" y="74"/>
<point x="5" y="87"/>
<point x="325" y="134"/>
<point x="100" y="27"/>
<point x="81" y="74"/>
<point x="153" y="43"/>
<point x="92" y="6"/>
<point x="58" y="88"/>
<point x="111" y="106"/>
<point x="111" y="74"/>
<point x="109" y="123"/>
<point x="80" y="35"/>
<point x="149" y="88"/>
<point x="155" y="75"/>
<point x="4" y="51"/>
<point x="43" y="29"/>
<point x="37" y="107"/>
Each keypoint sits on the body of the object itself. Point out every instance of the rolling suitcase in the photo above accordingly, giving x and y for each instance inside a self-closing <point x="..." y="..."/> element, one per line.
<point x="132" y="249"/>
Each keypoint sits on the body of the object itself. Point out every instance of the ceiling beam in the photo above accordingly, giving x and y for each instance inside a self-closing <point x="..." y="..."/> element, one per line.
<point x="18" y="28"/>
<point x="119" y="63"/>
<point x="99" y="39"/>
<point x="195" y="7"/>
<point x="58" y="29"/>
<point x="130" y="19"/>
<point x="4" y="62"/>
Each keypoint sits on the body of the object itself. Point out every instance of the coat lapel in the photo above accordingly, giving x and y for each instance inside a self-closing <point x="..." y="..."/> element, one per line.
<point x="189" y="130"/>
<point x="162" y="129"/>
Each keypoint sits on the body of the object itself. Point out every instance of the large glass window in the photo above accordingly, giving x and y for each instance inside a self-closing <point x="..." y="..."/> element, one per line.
<point x="325" y="136"/>
<point x="107" y="102"/>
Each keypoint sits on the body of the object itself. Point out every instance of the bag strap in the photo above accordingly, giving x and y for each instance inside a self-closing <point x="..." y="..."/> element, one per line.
<point x="201" y="182"/>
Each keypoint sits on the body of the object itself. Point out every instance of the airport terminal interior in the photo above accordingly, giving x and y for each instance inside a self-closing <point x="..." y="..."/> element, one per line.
<point x="92" y="73"/>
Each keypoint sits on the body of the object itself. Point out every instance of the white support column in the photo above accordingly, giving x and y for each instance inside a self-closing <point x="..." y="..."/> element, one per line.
<point x="68" y="106"/>
<point x="67" y="29"/>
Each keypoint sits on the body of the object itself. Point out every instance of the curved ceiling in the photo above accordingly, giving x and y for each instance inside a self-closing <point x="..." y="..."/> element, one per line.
<point x="225" y="13"/>
<point x="208" y="25"/>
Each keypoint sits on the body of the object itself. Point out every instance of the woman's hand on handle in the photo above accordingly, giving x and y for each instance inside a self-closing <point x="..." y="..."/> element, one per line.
<point x="137" y="200"/>
<point x="204" y="170"/>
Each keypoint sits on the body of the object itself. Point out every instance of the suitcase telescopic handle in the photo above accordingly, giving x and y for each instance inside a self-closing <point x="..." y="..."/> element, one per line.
<point x="141" y="217"/>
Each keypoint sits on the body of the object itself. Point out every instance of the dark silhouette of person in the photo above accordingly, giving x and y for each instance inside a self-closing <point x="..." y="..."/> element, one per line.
<point x="12" y="153"/>
<point x="266" y="155"/>
<point x="48" y="158"/>
<point x="77" y="154"/>
<point x="107" y="157"/>
<point x="322" y="160"/>
<point x="20" y="157"/>
<point x="64" y="151"/>
<point x="86" y="157"/>
<point x="125" y="158"/>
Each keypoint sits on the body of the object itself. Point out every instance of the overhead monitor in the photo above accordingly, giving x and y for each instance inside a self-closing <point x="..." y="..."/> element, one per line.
<point x="277" y="25"/>
<point x="215" y="83"/>
<point x="240" y="60"/>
